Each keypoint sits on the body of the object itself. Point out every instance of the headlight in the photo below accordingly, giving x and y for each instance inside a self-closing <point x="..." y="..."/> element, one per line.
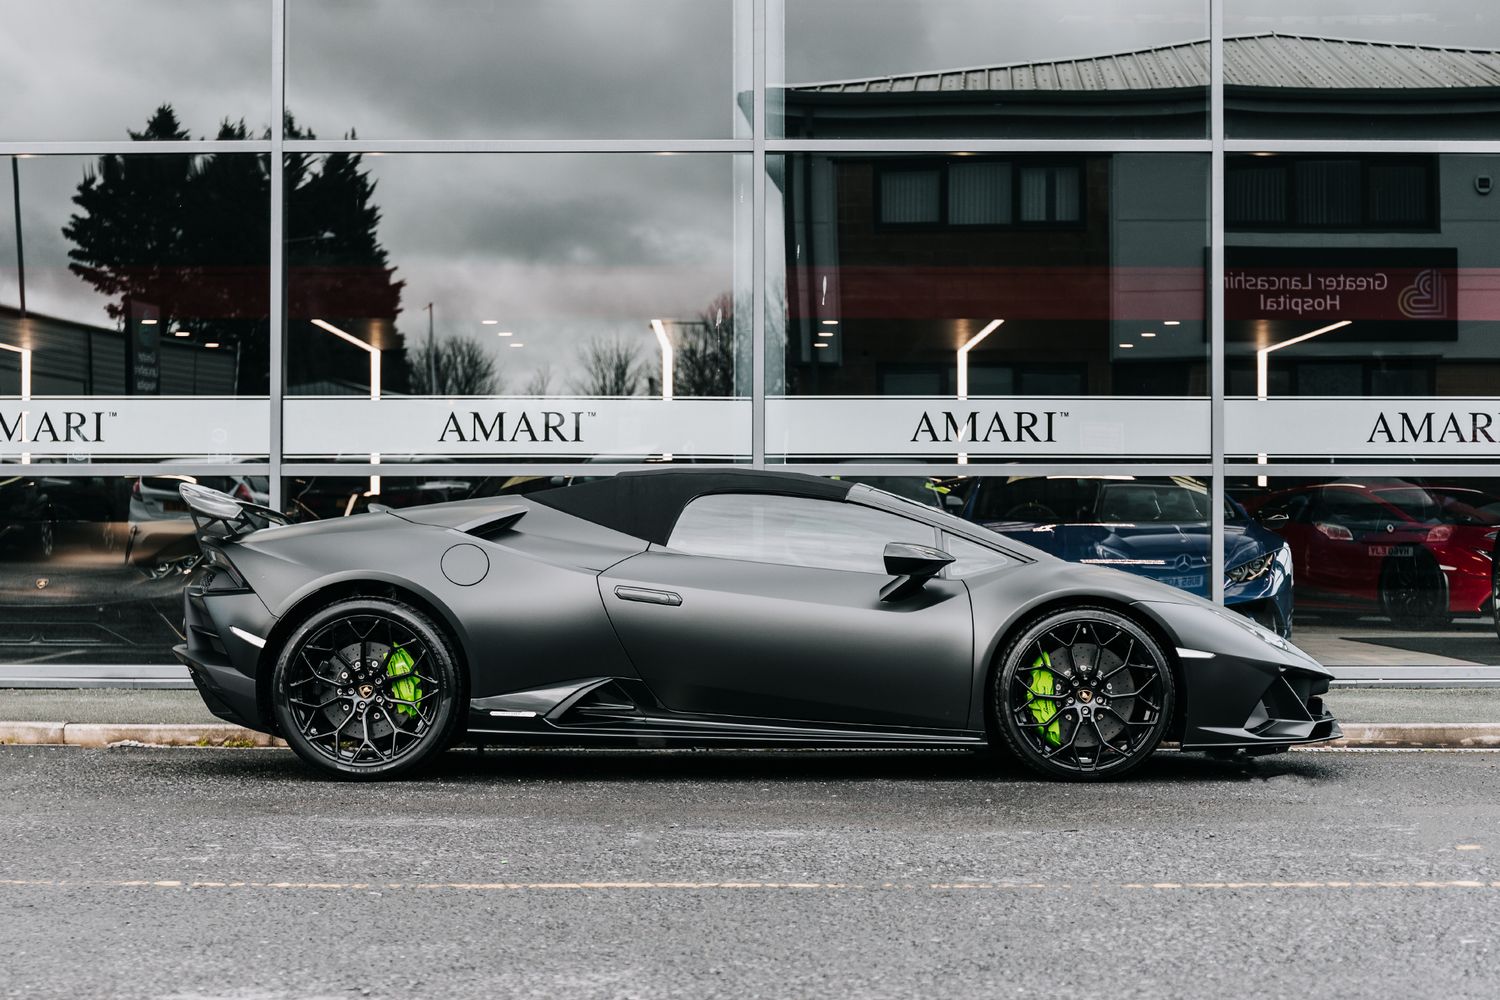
<point x="1265" y="635"/>
<point x="1252" y="570"/>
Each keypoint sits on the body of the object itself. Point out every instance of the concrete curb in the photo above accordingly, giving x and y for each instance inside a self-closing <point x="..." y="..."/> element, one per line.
<point x="1419" y="734"/>
<point x="84" y="734"/>
<point x="1409" y="735"/>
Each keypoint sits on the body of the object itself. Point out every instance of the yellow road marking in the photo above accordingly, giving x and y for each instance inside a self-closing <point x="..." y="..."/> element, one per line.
<point x="179" y="884"/>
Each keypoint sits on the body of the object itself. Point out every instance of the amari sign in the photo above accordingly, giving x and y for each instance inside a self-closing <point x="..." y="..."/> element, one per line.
<point x="838" y="427"/>
<point x="103" y="427"/>
<point x="1430" y="427"/>
<point x="517" y="427"/>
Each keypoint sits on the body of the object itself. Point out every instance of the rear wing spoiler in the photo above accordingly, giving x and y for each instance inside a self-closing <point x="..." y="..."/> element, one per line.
<point x="222" y="518"/>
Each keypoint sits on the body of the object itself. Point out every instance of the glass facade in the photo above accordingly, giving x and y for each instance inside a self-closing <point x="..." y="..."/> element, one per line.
<point x="1206" y="291"/>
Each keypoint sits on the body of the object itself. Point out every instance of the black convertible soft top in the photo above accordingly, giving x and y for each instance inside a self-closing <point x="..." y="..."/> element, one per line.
<point x="646" y="503"/>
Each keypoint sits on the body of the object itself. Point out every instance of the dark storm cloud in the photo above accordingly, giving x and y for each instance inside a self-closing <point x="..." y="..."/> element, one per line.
<point x="842" y="39"/>
<point x="92" y="69"/>
<point x="560" y="248"/>
<point x="532" y="68"/>
<point x="605" y="209"/>
<point x="1462" y="23"/>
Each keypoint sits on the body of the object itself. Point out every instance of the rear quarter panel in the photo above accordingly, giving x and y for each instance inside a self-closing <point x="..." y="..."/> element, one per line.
<point x="535" y="617"/>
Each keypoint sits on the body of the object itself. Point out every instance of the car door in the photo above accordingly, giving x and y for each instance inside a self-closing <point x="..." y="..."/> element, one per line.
<point x="768" y="606"/>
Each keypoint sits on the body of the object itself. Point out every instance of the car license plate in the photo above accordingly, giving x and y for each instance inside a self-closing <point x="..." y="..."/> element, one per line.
<point x="1389" y="550"/>
<point x="1184" y="582"/>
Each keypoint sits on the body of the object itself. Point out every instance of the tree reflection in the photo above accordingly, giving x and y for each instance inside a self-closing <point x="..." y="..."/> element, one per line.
<point x="189" y="235"/>
<point x="458" y="366"/>
<point x="608" y="367"/>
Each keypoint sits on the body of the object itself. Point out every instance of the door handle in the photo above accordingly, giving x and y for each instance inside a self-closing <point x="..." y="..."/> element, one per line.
<point x="647" y="596"/>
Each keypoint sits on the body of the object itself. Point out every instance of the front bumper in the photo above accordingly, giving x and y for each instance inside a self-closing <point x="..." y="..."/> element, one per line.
<point x="225" y="633"/>
<point x="1239" y="691"/>
<point x="1288" y="712"/>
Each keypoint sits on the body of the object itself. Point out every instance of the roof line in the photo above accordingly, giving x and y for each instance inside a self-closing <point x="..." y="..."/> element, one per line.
<point x="1190" y="43"/>
<point x="1195" y="43"/>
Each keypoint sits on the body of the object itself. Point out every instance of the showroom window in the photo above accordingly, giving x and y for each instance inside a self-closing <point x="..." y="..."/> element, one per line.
<point x="1074" y="334"/>
<point x="792" y="531"/>
<point x="966" y="248"/>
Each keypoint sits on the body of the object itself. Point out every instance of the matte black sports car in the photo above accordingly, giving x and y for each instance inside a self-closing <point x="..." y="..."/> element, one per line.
<point x="718" y="608"/>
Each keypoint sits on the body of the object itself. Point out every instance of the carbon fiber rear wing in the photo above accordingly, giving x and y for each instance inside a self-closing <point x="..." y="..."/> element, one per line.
<point x="220" y="517"/>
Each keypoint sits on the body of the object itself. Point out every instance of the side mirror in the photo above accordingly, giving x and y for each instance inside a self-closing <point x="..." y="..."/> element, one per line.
<point x="912" y="566"/>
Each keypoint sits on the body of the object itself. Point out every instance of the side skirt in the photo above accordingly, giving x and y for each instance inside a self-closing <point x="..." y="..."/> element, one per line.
<point x="623" y="712"/>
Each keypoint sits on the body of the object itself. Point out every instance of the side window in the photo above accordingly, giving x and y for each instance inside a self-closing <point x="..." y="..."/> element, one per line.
<point x="1291" y="507"/>
<point x="970" y="558"/>
<point x="792" y="531"/>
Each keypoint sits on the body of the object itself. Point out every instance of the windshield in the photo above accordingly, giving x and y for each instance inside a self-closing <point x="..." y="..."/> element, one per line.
<point x="958" y="524"/>
<point x="1444" y="506"/>
<point x="1093" y="500"/>
<point x="1151" y="503"/>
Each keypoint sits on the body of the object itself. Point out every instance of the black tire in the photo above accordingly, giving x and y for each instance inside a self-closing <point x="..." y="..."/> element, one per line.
<point x="1495" y="591"/>
<point x="45" y="542"/>
<point x="1088" y="653"/>
<point x="1414" y="591"/>
<point x="349" y="655"/>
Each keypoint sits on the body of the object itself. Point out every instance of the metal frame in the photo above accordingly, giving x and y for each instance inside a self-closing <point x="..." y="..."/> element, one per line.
<point x="758" y="147"/>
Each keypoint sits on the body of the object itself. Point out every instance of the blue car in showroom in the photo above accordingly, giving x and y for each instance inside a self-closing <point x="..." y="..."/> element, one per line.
<point x="1154" y="527"/>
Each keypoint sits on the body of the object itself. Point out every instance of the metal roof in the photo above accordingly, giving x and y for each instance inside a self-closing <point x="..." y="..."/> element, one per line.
<point x="1265" y="60"/>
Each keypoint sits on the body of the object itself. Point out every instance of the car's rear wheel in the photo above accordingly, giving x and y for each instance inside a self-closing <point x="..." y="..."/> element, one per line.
<point x="1083" y="694"/>
<point x="367" y="688"/>
<point x="1414" y="591"/>
<point x="1495" y="590"/>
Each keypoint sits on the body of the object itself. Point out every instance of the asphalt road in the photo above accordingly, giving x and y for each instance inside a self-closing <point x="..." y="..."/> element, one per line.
<point x="209" y="873"/>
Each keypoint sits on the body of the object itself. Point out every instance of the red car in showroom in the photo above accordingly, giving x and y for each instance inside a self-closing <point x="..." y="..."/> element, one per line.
<point x="1419" y="554"/>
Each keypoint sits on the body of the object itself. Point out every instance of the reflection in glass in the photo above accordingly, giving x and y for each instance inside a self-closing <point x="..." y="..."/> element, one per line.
<point x="92" y="568"/>
<point x="319" y="498"/>
<point x="1360" y="274"/>
<point x="533" y="275"/>
<point x="1387" y="70"/>
<point x="968" y="68"/>
<point x="1158" y="528"/>
<point x="138" y="274"/>
<point x="956" y="276"/>
<point x="85" y="69"/>
<point x="480" y="69"/>
<point x="1388" y="570"/>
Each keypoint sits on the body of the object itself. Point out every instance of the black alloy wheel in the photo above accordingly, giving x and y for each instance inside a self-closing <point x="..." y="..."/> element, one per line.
<point x="1414" y="591"/>
<point x="1084" y="694"/>
<point x="367" y="688"/>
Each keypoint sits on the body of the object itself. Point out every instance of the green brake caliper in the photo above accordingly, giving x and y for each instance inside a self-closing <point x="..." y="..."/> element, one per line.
<point x="399" y="664"/>
<point x="1044" y="711"/>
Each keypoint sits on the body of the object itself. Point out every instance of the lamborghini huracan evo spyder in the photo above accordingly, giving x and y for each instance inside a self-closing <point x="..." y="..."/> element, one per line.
<point x="714" y="608"/>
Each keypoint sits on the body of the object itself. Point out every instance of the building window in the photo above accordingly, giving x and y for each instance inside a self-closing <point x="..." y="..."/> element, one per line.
<point x="1329" y="193"/>
<point x="981" y="192"/>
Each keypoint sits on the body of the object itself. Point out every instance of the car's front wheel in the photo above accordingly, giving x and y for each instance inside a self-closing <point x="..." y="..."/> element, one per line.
<point x="1083" y="694"/>
<point x="1414" y="591"/>
<point x="367" y="688"/>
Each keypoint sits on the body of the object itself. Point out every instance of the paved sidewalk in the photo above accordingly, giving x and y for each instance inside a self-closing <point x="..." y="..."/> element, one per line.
<point x="146" y="707"/>
<point x="104" y="705"/>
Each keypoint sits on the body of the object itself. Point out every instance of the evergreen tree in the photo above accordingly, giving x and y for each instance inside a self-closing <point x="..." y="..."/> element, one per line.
<point x="189" y="234"/>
